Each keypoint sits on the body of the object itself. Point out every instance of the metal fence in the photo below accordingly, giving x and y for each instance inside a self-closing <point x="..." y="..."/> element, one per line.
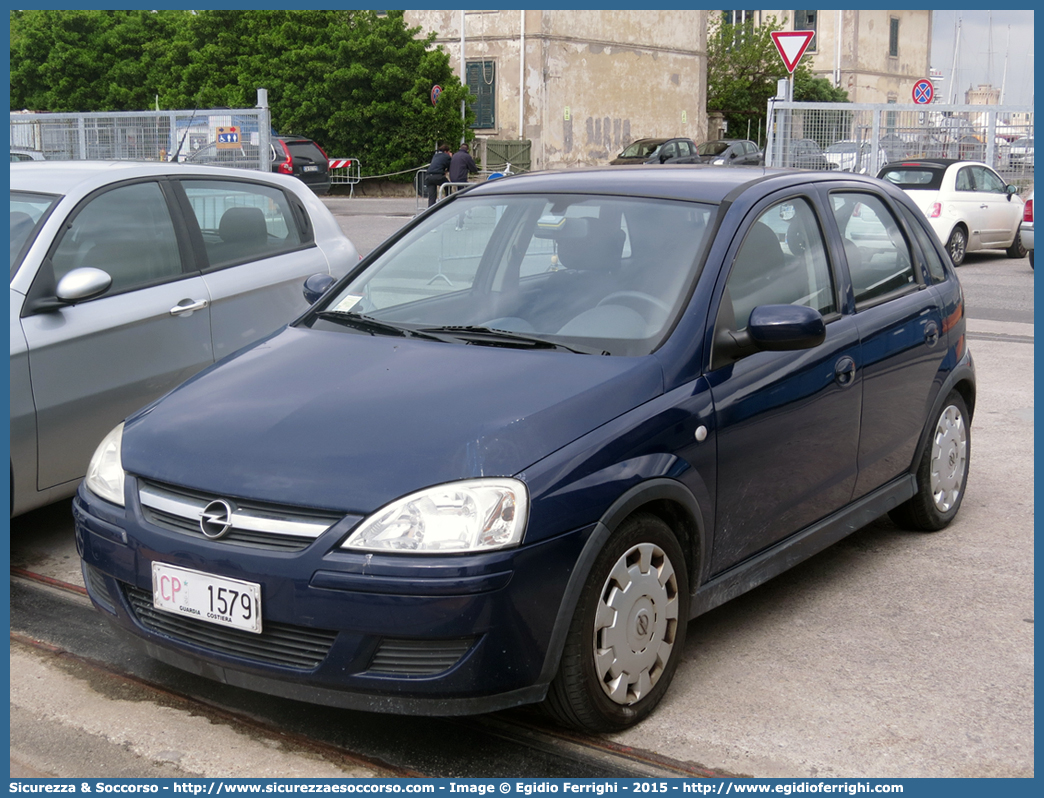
<point x="226" y="137"/>
<point x="862" y="137"/>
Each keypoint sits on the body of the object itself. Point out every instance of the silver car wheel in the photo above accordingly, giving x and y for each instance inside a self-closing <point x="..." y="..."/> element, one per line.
<point x="635" y="623"/>
<point x="949" y="458"/>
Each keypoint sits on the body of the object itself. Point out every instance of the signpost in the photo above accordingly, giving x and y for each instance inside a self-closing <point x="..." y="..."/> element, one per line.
<point x="923" y="91"/>
<point x="228" y="138"/>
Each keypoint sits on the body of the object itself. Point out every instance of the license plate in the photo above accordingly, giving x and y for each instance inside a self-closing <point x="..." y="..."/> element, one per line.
<point x="310" y="168"/>
<point x="206" y="597"/>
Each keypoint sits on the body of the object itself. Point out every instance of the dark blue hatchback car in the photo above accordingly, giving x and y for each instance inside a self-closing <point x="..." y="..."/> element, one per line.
<point x="534" y="434"/>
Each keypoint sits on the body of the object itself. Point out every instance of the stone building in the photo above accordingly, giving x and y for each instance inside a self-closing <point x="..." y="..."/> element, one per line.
<point x="579" y="85"/>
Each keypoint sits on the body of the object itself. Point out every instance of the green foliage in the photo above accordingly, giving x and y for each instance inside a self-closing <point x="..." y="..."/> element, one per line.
<point x="743" y="67"/>
<point x="358" y="82"/>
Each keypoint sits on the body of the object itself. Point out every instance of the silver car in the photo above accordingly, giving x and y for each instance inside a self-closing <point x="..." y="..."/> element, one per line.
<point x="127" y="278"/>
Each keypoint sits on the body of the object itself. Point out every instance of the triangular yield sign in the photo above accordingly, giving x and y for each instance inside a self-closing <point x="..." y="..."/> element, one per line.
<point x="792" y="45"/>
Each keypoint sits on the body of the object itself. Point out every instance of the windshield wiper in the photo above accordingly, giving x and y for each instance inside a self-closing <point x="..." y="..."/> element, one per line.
<point x="374" y="326"/>
<point x="490" y="336"/>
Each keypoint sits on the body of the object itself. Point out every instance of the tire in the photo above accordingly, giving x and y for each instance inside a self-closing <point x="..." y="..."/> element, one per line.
<point x="942" y="474"/>
<point x="627" y="635"/>
<point x="957" y="245"/>
<point x="1016" y="250"/>
<point x="1031" y="258"/>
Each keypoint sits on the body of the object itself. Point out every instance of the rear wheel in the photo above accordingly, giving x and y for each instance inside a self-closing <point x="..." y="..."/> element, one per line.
<point x="1016" y="250"/>
<point x="957" y="245"/>
<point x="943" y="471"/>
<point x="627" y="635"/>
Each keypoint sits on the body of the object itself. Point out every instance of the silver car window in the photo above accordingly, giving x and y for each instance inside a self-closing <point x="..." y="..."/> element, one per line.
<point x="241" y="221"/>
<point x="126" y="232"/>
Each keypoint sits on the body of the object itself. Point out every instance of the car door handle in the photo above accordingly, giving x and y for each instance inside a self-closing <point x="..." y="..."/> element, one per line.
<point x="845" y="371"/>
<point x="931" y="333"/>
<point x="188" y="306"/>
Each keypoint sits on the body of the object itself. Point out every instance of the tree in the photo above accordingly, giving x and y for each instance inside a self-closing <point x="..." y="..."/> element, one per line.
<point x="743" y="67"/>
<point x="358" y="82"/>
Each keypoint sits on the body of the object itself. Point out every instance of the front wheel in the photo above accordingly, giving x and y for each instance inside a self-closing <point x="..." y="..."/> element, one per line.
<point x="627" y="634"/>
<point x="942" y="473"/>
<point x="1016" y="250"/>
<point x="957" y="245"/>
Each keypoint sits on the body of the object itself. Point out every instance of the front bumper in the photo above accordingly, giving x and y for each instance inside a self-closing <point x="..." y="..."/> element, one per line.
<point x="397" y="633"/>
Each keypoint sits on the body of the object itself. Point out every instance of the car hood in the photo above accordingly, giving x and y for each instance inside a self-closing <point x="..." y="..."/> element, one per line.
<point x="348" y="422"/>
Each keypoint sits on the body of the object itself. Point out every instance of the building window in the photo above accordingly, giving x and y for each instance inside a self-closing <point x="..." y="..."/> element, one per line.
<point x="482" y="82"/>
<point x="806" y="20"/>
<point x="738" y="17"/>
<point x="893" y="37"/>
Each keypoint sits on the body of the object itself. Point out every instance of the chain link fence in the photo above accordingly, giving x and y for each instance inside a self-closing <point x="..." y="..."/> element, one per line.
<point x="858" y="137"/>
<point x="233" y="137"/>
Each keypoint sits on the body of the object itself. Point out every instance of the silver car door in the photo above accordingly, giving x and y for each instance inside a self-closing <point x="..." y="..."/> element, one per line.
<point x="95" y="362"/>
<point x="260" y="248"/>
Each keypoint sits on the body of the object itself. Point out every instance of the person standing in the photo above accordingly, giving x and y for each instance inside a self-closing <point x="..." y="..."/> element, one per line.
<point x="461" y="165"/>
<point x="436" y="174"/>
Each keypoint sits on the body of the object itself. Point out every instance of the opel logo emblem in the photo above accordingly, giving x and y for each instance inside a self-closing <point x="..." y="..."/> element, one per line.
<point x="216" y="519"/>
<point x="643" y="625"/>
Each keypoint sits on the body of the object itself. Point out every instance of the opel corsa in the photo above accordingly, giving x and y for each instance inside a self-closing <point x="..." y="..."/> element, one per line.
<point x="510" y="456"/>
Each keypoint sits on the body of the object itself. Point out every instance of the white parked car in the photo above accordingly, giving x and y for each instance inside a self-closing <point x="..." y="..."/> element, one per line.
<point x="1020" y="154"/>
<point x="1026" y="229"/>
<point x="128" y="278"/>
<point x="850" y="156"/>
<point x="969" y="205"/>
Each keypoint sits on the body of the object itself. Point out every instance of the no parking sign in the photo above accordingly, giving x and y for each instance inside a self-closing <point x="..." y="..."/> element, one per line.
<point x="923" y="91"/>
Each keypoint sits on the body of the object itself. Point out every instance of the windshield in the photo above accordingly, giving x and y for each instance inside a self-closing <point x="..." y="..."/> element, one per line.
<point x="712" y="148"/>
<point x="601" y="274"/>
<point x="642" y="149"/>
<point x="913" y="177"/>
<point x="27" y="210"/>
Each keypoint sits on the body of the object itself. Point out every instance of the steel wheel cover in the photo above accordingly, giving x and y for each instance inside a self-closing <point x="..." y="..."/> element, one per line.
<point x="635" y="623"/>
<point x="949" y="458"/>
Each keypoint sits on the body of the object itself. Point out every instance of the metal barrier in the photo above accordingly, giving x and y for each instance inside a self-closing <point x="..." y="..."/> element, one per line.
<point x="346" y="171"/>
<point x="234" y="137"/>
<point x="862" y="137"/>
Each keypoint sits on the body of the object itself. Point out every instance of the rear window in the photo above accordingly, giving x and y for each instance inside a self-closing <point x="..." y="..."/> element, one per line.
<point x="913" y="177"/>
<point x="306" y="150"/>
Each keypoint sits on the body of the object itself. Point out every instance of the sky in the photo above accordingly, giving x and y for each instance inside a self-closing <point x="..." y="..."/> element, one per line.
<point x="975" y="64"/>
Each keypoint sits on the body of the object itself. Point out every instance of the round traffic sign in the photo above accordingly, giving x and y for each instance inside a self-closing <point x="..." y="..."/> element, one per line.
<point x="436" y="90"/>
<point x="923" y="91"/>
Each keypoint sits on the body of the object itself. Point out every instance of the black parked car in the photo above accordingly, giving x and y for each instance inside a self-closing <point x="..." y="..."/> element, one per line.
<point x="725" y="152"/>
<point x="655" y="151"/>
<point x="289" y="155"/>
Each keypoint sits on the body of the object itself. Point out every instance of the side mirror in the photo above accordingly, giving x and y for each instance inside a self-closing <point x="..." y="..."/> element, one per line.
<point x="771" y="328"/>
<point x="82" y="284"/>
<point x="1011" y="191"/>
<point x="783" y="328"/>
<point x="317" y="285"/>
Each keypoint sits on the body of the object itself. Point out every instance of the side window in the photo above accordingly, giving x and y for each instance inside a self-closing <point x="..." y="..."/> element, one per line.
<point x="782" y="261"/>
<point x="241" y="221"/>
<point x="989" y="181"/>
<point x="931" y="256"/>
<point x="965" y="180"/>
<point x="878" y="255"/>
<point x="126" y="232"/>
<point x="670" y="150"/>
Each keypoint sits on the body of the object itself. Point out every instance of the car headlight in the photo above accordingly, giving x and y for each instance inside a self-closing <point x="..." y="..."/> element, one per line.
<point x="105" y="473"/>
<point x="471" y="516"/>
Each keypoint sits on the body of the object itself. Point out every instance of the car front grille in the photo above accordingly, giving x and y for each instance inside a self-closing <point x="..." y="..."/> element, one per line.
<point x="280" y="644"/>
<point x="418" y="657"/>
<point x="253" y="524"/>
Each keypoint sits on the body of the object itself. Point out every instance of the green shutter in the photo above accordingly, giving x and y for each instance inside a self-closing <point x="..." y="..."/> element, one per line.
<point x="482" y="81"/>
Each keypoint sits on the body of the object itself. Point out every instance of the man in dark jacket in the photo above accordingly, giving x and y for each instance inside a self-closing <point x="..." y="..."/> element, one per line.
<point x="436" y="173"/>
<point x="461" y="165"/>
